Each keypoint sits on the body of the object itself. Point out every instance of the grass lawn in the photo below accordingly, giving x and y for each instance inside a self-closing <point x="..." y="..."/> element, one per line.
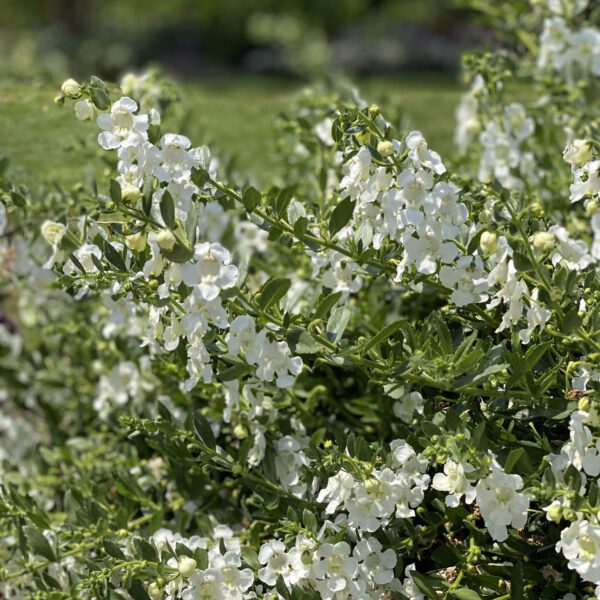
<point x="234" y="115"/>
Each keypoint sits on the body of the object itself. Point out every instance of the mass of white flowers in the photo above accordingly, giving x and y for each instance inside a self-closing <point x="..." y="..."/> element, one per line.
<point x="378" y="378"/>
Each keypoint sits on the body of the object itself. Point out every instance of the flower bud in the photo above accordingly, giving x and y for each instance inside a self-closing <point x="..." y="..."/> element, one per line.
<point x="584" y="404"/>
<point x="543" y="241"/>
<point x="591" y="208"/>
<point x="84" y="110"/>
<point x="385" y="148"/>
<point x="154" y="591"/>
<point x="130" y="193"/>
<point x="488" y="242"/>
<point x="578" y="152"/>
<point x="71" y="89"/>
<point x="186" y="566"/>
<point x="363" y="137"/>
<point x="374" y="110"/>
<point x="59" y="100"/>
<point x="555" y="512"/>
<point x="136" y="242"/>
<point x="53" y="232"/>
<point x="165" y="239"/>
<point x="371" y="485"/>
<point x="240" y="432"/>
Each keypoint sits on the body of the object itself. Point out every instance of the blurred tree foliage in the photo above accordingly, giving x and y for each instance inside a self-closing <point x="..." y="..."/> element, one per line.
<point x="218" y="27"/>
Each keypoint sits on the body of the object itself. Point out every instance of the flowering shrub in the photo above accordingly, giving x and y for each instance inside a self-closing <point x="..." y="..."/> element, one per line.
<point x="376" y="379"/>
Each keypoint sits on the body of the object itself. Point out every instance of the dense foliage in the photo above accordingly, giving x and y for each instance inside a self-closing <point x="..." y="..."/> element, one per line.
<point x="376" y="379"/>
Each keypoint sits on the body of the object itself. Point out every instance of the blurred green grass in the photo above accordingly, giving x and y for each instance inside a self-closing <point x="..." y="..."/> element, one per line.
<point x="235" y="116"/>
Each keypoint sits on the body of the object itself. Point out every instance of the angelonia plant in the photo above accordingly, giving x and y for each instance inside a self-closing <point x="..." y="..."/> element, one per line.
<point x="376" y="379"/>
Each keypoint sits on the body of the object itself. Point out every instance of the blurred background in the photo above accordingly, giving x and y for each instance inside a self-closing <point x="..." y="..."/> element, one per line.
<point x="237" y="61"/>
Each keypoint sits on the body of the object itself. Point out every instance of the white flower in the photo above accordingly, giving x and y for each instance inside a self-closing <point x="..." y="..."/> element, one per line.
<point x="84" y="110"/>
<point x="375" y="565"/>
<point x="241" y="335"/>
<point x="467" y="279"/>
<point x="233" y="578"/>
<point x="335" y="570"/>
<point x="323" y="131"/>
<point x="289" y="458"/>
<point x="53" y="232"/>
<point x="205" y="584"/>
<point x="420" y="154"/>
<point x="121" y="125"/>
<point x="580" y="544"/>
<point x="500" y="502"/>
<point x="338" y="490"/>
<point x="211" y="272"/>
<point x="587" y="181"/>
<point x="572" y="253"/>
<point x="454" y="481"/>
<point x="578" y="152"/>
<point x="405" y="407"/>
<point x="537" y="316"/>
<point x="409" y="587"/>
<point x="277" y="561"/>
<point x="84" y="255"/>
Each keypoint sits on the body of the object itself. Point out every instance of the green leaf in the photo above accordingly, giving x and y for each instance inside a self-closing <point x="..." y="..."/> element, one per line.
<point x="532" y="357"/>
<point x="310" y="521"/>
<point x="301" y="342"/>
<point x="423" y="583"/>
<point x="18" y="199"/>
<point x="326" y="305"/>
<point x="180" y="253"/>
<point x="300" y="226"/>
<point x="114" y="257"/>
<point x="115" y="191"/>
<point x="100" y="98"/>
<point x="465" y="594"/>
<point x="235" y="372"/>
<point x="571" y="320"/>
<point x="522" y="262"/>
<point x="113" y="550"/>
<point x="516" y="582"/>
<point x="513" y="458"/>
<point x="167" y="209"/>
<point x="203" y="431"/>
<point x="146" y="550"/>
<point x="200" y="176"/>
<point x="38" y="543"/>
<point x="251" y="198"/>
<point x="341" y="215"/>
<point x="284" y="197"/>
<point x="138" y="591"/>
<point x="250" y="557"/>
<point x="273" y="291"/>
<point x="385" y="333"/>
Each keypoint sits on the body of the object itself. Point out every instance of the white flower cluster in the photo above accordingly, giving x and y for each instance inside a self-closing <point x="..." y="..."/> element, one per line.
<point x="503" y="157"/>
<point x="573" y="54"/>
<point x="394" y="490"/>
<point x="497" y="495"/>
<point x="206" y="274"/>
<point x="580" y="541"/>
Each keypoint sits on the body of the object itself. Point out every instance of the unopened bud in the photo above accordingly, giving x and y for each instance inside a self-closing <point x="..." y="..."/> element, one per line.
<point x="385" y="148"/>
<point x="543" y="241"/>
<point x="488" y="242"/>
<point x="71" y="89"/>
<point x="555" y="513"/>
<point x="130" y="193"/>
<point x="154" y="591"/>
<point x="240" y="432"/>
<point x="186" y="566"/>
<point x="584" y="404"/>
<point x="136" y="242"/>
<point x="165" y="238"/>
